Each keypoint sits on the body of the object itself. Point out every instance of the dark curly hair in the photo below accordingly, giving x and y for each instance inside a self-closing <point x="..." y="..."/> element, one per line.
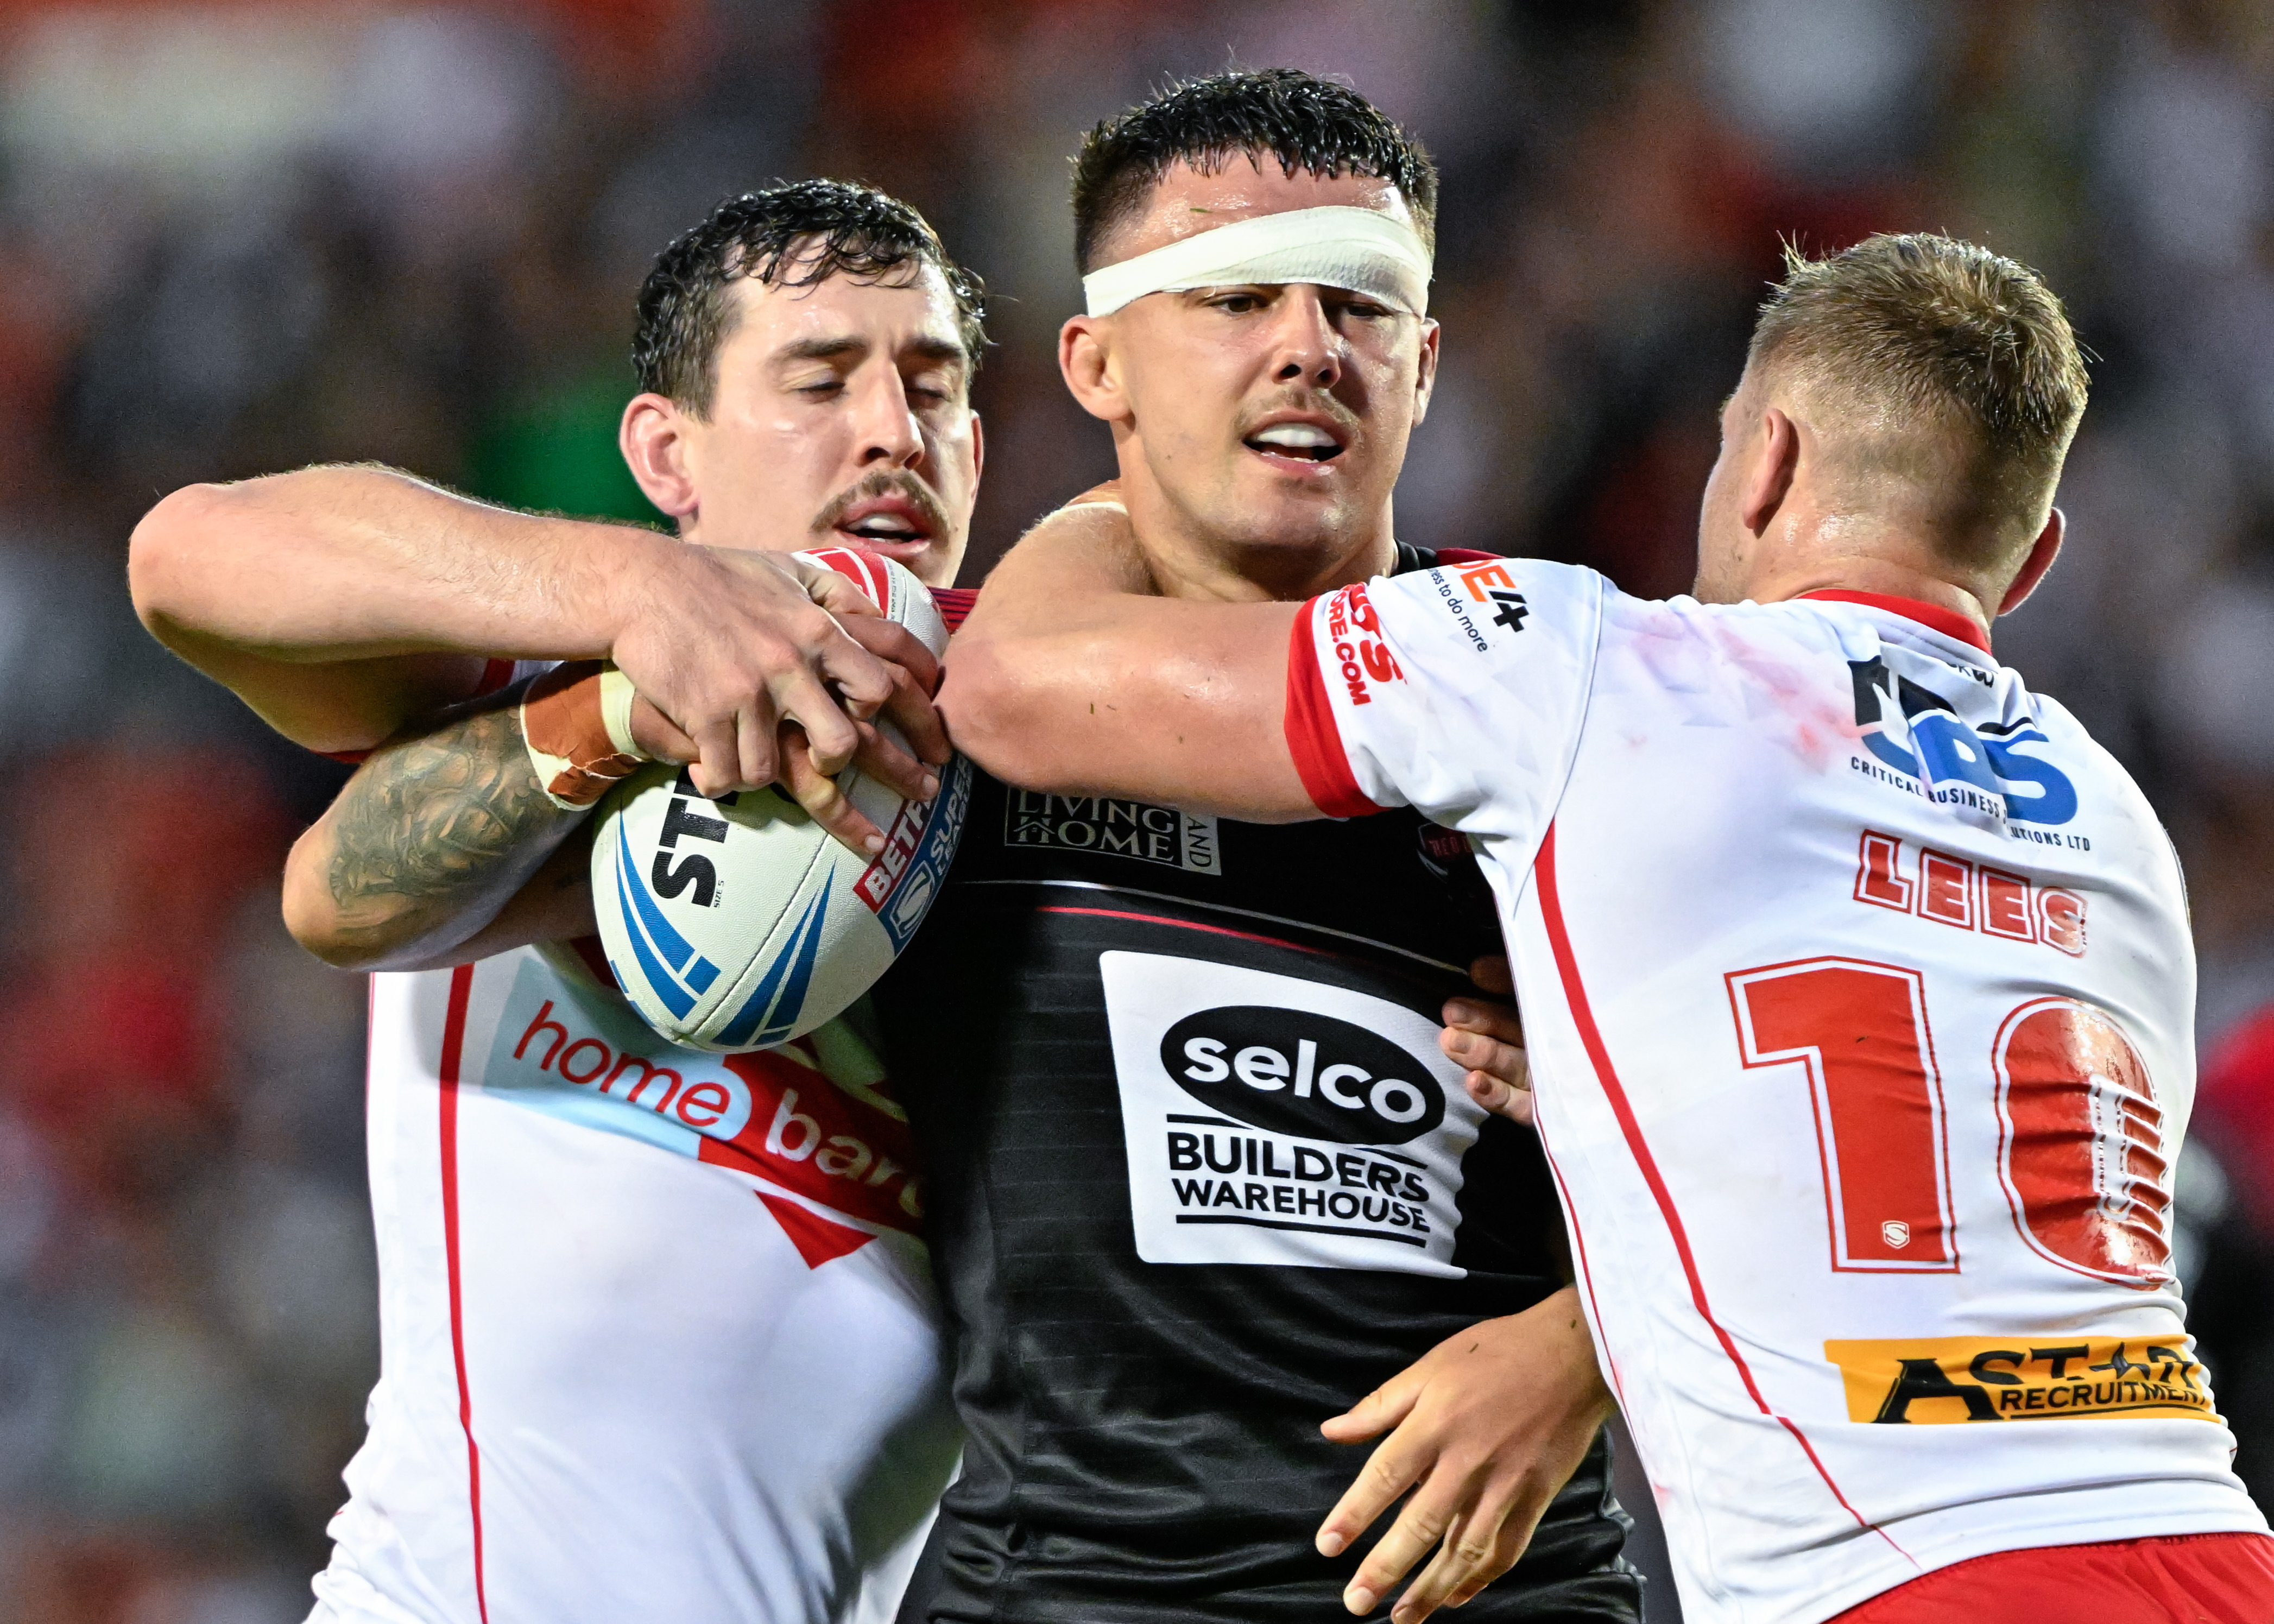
<point x="791" y="236"/>
<point x="1305" y="122"/>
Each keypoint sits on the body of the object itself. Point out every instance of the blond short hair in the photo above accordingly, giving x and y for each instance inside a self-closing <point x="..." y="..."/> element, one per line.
<point x="1950" y="357"/>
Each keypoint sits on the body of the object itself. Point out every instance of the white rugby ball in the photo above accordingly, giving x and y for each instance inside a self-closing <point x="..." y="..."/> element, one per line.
<point x="739" y="923"/>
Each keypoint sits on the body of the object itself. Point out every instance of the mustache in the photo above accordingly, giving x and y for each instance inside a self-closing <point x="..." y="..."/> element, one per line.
<point x="1312" y="400"/>
<point x="886" y="482"/>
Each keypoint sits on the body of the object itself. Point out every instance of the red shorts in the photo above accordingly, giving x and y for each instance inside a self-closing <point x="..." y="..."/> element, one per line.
<point x="2194" y="1579"/>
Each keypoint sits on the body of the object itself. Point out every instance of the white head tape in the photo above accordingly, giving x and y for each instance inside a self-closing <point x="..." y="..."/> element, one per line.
<point x="1359" y="249"/>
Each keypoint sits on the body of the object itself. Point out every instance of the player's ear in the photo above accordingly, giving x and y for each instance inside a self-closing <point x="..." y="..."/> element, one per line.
<point x="653" y="440"/>
<point x="2042" y="553"/>
<point x="1425" y="378"/>
<point x="1769" y="474"/>
<point x="1086" y="361"/>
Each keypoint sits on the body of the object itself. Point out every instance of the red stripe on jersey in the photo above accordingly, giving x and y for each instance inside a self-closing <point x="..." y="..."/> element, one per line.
<point x="1583" y="1016"/>
<point x="1587" y="1275"/>
<point x="1185" y="924"/>
<point x="1313" y="739"/>
<point x="454" y="1041"/>
<point x="1935" y="618"/>
<point x="954" y="604"/>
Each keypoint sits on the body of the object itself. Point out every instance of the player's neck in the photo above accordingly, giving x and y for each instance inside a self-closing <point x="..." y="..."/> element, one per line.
<point x="1189" y="559"/>
<point x="1882" y="566"/>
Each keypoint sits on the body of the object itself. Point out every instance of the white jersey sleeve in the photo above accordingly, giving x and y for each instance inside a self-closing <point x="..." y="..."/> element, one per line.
<point x="1394" y="688"/>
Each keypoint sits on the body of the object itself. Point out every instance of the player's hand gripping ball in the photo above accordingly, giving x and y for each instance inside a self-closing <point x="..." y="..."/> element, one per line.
<point x="739" y="923"/>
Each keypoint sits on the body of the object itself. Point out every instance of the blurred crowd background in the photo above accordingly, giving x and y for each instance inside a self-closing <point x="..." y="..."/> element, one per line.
<point x="239" y="237"/>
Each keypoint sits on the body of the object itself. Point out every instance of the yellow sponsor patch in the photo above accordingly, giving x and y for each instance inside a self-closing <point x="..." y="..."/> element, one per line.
<point x="1943" y="1379"/>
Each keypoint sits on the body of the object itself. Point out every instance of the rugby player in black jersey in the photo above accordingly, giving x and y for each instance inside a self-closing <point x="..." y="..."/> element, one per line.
<point x="1198" y="1172"/>
<point x="1145" y="1407"/>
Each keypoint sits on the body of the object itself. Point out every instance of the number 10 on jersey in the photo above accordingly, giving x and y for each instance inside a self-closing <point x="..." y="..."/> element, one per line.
<point x="2080" y="1133"/>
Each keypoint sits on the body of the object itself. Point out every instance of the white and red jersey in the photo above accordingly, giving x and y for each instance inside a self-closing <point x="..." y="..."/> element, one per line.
<point x="1858" y="988"/>
<point x="658" y="1336"/>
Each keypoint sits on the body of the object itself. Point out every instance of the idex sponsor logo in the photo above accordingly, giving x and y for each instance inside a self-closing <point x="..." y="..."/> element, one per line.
<point x="1356" y="631"/>
<point x="1269" y="1119"/>
<point x="1933" y="1381"/>
<point x="1491" y="585"/>
<point x="1916" y="733"/>
<point x="1132" y="829"/>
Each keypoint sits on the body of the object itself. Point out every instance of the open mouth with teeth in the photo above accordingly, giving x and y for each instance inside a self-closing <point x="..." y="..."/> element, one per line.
<point x="893" y="526"/>
<point x="1299" y="442"/>
<point x="885" y="526"/>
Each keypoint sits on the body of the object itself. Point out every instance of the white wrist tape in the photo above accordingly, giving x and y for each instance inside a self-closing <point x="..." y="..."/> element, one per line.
<point x="1359" y="249"/>
<point x="616" y="696"/>
<point x="576" y="722"/>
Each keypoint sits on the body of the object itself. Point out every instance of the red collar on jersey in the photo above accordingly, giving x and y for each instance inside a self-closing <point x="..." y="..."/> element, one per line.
<point x="1949" y="622"/>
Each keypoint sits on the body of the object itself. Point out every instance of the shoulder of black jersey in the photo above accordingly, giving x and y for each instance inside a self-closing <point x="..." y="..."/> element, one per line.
<point x="954" y="603"/>
<point x="1411" y="558"/>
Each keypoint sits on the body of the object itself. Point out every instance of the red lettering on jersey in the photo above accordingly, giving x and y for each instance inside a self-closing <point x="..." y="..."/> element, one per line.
<point x="1481" y="578"/>
<point x="1353" y="675"/>
<point x="811" y="1138"/>
<point x="2006" y="905"/>
<point x="1944" y="889"/>
<point x="1947" y="888"/>
<point x="2061" y="913"/>
<point x="1346" y="609"/>
<point x="648" y="1073"/>
<point x="1876" y="881"/>
<point x="875" y="885"/>
<point x="803" y="1133"/>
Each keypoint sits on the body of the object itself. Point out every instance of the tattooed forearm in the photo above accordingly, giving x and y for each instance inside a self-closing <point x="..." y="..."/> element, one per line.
<point x="435" y="831"/>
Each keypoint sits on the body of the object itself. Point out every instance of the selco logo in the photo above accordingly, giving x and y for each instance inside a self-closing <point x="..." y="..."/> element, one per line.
<point x="1354" y="626"/>
<point x="1312" y="1076"/>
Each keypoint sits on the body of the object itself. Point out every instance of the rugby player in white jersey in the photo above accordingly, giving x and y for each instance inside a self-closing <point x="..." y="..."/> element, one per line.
<point x="410" y="868"/>
<point x="636" y="1363"/>
<point x="1857" y="977"/>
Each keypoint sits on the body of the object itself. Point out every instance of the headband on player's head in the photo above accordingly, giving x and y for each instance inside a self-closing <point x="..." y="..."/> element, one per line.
<point x="1359" y="249"/>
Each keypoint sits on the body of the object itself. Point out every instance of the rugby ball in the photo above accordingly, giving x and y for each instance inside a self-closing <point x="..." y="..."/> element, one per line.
<point x="739" y="923"/>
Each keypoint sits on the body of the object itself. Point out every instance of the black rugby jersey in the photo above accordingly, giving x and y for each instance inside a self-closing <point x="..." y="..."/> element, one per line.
<point x="1199" y="1178"/>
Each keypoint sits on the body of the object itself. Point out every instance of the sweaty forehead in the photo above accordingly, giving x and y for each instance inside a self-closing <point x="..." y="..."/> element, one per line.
<point x="891" y="313"/>
<point x="1185" y="202"/>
